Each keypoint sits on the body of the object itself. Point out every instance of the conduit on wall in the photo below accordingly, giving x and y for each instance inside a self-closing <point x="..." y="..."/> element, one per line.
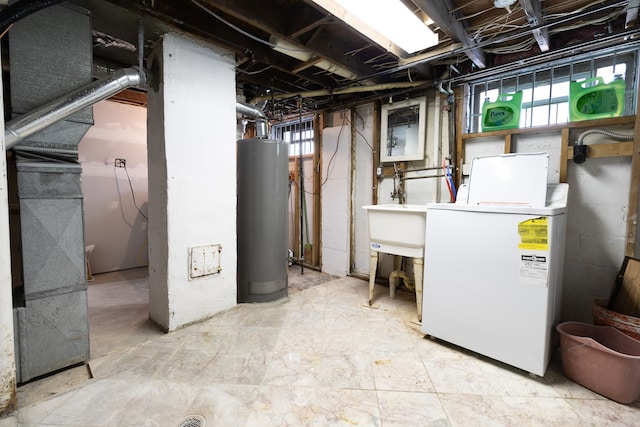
<point x="580" y="150"/>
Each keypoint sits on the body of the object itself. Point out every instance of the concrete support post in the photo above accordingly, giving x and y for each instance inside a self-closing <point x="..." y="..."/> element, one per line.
<point x="191" y="143"/>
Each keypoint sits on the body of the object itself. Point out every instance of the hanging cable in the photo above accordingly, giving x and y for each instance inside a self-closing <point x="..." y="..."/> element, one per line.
<point x="360" y="133"/>
<point x="241" y="31"/>
<point x="133" y="195"/>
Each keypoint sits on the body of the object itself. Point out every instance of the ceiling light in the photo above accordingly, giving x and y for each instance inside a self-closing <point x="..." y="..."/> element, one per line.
<point x="389" y="23"/>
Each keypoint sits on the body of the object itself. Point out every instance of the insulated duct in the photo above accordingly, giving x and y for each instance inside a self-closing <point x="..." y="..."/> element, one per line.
<point x="28" y="124"/>
<point x="20" y="9"/>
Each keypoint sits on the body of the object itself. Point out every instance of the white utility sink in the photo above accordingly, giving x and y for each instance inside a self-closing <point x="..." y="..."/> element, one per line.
<point x="397" y="229"/>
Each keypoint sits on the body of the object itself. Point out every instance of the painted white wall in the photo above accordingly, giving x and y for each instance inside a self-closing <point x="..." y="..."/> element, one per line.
<point x="7" y="350"/>
<point x="113" y="225"/>
<point x="336" y="155"/>
<point x="192" y="175"/>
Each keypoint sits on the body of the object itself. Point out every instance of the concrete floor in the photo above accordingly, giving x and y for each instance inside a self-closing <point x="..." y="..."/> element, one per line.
<point x="319" y="357"/>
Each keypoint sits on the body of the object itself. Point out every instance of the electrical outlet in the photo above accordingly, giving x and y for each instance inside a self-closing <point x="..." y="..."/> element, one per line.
<point x="121" y="163"/>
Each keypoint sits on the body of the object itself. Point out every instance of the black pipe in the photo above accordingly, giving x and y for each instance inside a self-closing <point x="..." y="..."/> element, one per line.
<point x="21" y="9"/>
<point x="302" y="195"/>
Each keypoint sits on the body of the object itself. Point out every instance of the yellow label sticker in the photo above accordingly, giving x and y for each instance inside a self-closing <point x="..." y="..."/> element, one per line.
<point x="534" y="234"/>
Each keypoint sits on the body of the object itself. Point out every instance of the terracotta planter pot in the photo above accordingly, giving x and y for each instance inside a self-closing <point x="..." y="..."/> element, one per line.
<point x="604" y="317"/>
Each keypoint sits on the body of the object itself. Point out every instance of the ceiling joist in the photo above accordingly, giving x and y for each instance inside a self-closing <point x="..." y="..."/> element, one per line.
<point x="322" y="53"/>
<point x="533" y="10"/>
<point x="440" y="13"/>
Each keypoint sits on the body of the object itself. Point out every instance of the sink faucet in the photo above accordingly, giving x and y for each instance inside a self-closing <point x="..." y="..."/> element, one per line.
<point x="397" y="186"/>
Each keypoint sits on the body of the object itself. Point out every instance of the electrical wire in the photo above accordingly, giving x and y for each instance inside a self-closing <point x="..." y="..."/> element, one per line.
<point x="569" y="3"/>
<point x="326" y="178"/>
<point x="253" y="73"/>
<point x="133" y="194"/>
<point x="344" y="122"/>
<point x="611" y="16"/>
<point x="358" y="132"/>
<point x="241" y="31"/>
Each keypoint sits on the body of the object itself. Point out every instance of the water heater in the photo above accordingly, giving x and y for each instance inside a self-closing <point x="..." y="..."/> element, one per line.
<point x="263" y="184"/>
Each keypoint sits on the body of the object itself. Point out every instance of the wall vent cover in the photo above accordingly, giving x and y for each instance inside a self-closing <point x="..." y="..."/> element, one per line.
<point x="192" y="421"/>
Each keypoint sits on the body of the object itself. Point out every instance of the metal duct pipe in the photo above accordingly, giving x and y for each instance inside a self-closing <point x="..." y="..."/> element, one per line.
<point x="26" y="125"/>
<point x="249" y="110"/>
<point x="256" y="113"/>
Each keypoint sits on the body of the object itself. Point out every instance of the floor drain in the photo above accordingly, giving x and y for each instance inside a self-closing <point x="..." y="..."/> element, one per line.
<point x="192" y="421"/>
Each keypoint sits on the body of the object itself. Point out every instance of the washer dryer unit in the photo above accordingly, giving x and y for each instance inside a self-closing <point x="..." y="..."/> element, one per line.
<point x="494" y="262"/>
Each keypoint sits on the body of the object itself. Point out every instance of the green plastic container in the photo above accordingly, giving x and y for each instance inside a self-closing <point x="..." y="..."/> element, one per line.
<point x="593" y="99"/>
<point x="502" y="114"/>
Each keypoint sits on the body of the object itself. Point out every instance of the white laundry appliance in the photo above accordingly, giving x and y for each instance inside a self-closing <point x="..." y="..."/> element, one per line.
<point x="494" y="260"/>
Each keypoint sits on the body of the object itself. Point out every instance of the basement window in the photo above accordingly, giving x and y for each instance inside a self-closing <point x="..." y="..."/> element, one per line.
<point x="545" y="89"/>
<point x="299" y="135"/>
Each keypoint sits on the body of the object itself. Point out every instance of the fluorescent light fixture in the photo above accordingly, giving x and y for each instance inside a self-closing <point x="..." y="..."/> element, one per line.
<point x="386" y="22"/>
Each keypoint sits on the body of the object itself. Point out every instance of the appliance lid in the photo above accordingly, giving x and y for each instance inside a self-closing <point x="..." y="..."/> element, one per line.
<point x="556" y="204"/>
<point x="518" y="179"/>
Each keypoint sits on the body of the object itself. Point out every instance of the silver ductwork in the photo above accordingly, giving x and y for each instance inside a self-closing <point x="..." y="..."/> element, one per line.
<point x="254" y="112"/>
<point x="50" y="57"/>
<point x="28" y="124"/>
<point x="249" y="110"/>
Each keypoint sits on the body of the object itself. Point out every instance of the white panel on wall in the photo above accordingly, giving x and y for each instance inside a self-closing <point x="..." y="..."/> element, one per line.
<point x="336" y="154"/>
<point x="481" y="147"/>
<point x="363" y="188"/>
<point x="539" y="142"/>
<point x="113" y="225"/>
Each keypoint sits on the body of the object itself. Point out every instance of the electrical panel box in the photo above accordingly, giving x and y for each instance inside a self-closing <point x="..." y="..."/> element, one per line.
<point x="204" y="260"/>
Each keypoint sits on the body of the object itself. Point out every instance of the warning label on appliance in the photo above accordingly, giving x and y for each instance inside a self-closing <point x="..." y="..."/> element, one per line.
<point x="534" y="268"/>
<point x="534" y="234"/>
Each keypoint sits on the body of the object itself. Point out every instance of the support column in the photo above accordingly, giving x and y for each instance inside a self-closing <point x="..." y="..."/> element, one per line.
<point x="192" y="182"/>
<point x="7" y="356"/>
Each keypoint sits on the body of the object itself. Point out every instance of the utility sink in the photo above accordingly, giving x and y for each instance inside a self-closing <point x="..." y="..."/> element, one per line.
<point x="397" y="229"/>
